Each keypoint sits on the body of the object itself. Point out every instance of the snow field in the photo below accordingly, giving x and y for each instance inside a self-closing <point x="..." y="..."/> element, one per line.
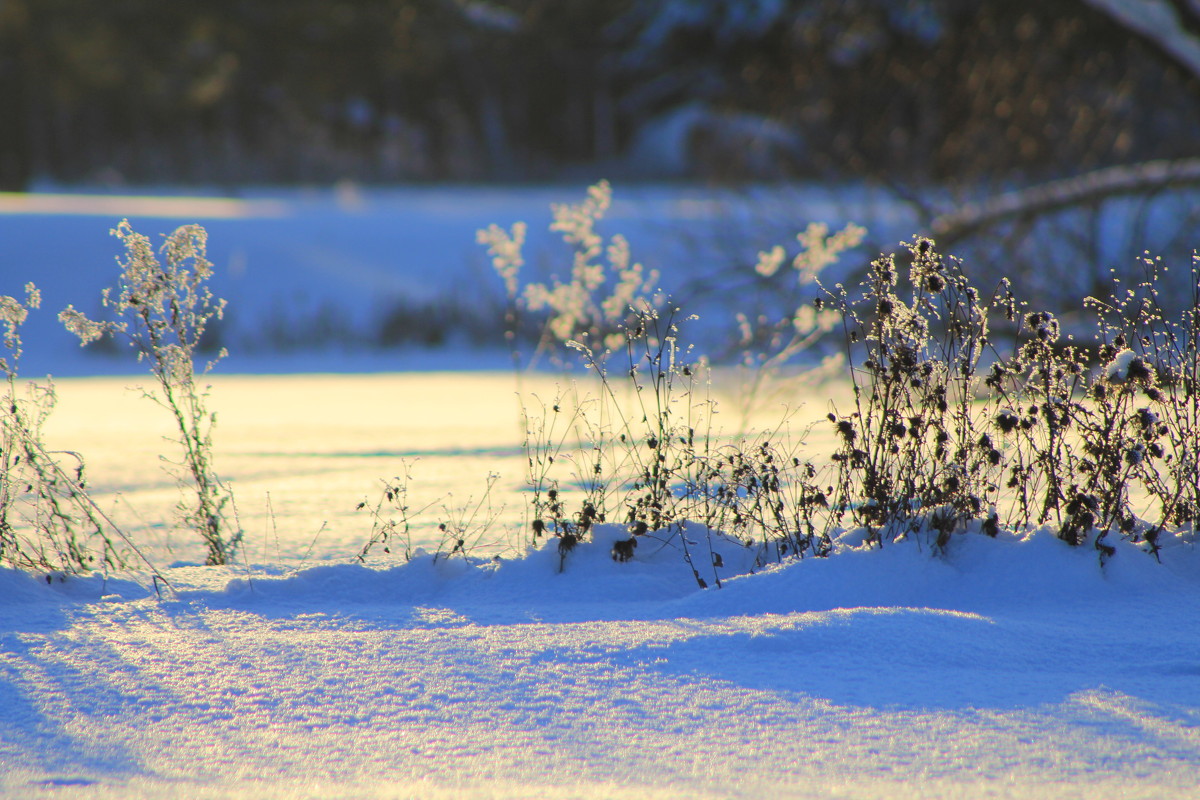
<point x="817" y="679"/>
<point x="284" y="255"/>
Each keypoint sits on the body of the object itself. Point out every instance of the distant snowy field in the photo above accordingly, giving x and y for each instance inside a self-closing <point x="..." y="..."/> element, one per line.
<point x="1007" y="668"/>
<point x="281" y="256"/>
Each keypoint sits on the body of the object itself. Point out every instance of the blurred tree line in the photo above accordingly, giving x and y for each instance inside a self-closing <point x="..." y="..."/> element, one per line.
<point x="235" y="91"/>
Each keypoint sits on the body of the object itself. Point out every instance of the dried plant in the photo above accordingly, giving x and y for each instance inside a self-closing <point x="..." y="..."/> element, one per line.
<point x="592" y="303"/>
<point x="392" y="517"/>
<point x="465" y="525"/>
<point x="162" y="309"/>
<point x="947" y="431"/>
<point x="48" y="522"/>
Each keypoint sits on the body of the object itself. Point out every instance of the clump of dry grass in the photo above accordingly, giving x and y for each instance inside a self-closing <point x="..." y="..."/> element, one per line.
<point x="48" y="522"/>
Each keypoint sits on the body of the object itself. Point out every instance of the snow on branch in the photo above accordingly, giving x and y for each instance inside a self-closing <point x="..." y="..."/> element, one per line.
<point x="1170" y="25"/>
<point x="1057" y="195"/>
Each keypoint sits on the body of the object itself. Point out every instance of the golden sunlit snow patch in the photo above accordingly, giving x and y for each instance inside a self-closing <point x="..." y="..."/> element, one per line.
<point x="138" y="206"/>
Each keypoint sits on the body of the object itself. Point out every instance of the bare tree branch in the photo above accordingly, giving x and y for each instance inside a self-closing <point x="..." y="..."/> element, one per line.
<point x="1149" y="176"/>
<point x="1172" y="26"/>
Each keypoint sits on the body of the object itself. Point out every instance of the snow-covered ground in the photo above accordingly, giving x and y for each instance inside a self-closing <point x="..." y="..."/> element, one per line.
<point x="1014" y="667"/>
<point x="1007" y="668"/>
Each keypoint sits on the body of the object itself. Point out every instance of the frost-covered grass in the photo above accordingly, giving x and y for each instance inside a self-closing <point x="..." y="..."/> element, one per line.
<point x="950" y="429"/>
<point x="163" y="308"/>
<point x="947" y="432"/>
<point x="948" y="426"/>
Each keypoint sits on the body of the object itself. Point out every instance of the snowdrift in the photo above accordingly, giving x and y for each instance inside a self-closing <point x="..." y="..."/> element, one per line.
<point x="1006" y="667"/>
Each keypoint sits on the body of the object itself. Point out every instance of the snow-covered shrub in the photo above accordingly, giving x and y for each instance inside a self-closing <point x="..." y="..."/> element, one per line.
<point x="910" y="445"/>
<point x="945" y="430"/>
<point x="1151" y="382"/>
<point x="162" y="309"/>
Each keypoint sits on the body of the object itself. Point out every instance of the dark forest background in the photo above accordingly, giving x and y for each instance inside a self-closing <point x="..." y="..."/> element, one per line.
<point x="225" y="92"/>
